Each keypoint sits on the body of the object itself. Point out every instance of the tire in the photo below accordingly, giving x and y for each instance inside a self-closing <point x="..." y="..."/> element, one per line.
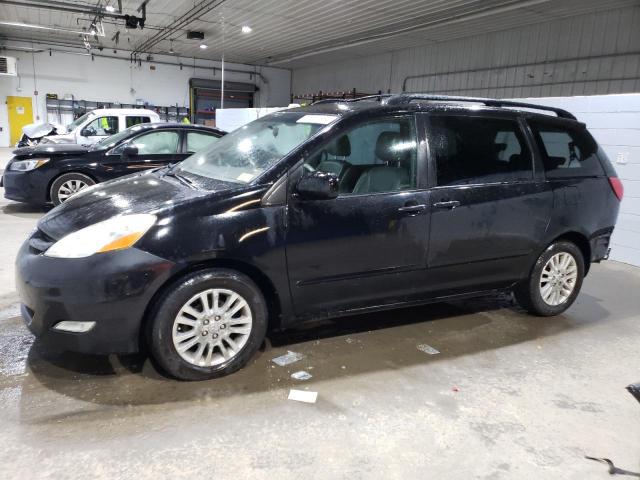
<point x="67" y="184"/>
<point x="179" y="318"/>
<point x="531" y="293"/>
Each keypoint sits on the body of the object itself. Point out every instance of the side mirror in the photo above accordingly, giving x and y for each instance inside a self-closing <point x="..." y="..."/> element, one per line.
<point x="130" y="151"/>
<point x="318" y="186"/>
<point x="88" y="132"/>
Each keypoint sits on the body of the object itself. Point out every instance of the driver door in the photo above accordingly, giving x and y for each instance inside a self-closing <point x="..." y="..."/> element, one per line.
<point x="156" y="148"/>
<point x="368" y="246"/>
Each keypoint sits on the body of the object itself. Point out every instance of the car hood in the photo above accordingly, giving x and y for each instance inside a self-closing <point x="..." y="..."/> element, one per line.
<point x="37" y="130"/>
<point x="67" y="138"/>
<point x="49" y="149"/>
<point x="148" y="192"/>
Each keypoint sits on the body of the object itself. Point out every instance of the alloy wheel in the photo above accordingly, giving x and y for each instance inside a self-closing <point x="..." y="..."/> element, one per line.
<point x="558" y="278"/>
<point x="212" y="327"/>
<point x="70" y="187"/>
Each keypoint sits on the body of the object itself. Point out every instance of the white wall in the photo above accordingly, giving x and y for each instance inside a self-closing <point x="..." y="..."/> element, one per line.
<point x="111" y="80"/>
<point x="614" y="120"/>
<point x="589" y="54"/>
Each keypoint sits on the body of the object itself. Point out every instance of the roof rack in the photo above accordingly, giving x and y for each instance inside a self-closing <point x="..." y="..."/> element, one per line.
<point x="489" y="102"/>
<point x="378" y="97"/>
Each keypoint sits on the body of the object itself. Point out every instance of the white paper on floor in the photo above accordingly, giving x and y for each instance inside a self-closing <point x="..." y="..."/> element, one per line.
<point x="423" y="347"/>
<point x="303" y="396"/>
<point x="301" y="375"/>
<point x="287" y="358"/>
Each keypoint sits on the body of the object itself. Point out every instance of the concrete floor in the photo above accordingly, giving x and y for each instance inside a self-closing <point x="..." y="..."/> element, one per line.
<point x="509" y="396"/>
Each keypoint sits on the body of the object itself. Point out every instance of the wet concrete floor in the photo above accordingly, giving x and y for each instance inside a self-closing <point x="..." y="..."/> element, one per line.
<point x="508" y="396"/>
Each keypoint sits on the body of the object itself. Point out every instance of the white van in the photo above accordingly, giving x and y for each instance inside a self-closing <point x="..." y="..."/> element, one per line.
<point x="97" y="124"/>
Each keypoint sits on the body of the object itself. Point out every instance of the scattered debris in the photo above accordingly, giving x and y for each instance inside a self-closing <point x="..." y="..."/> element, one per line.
<point x="10" y="311"/>
<point x="634" y="389"/>
<point x="349" y="340"/>
<point x="423" y="347"/>
<point x="287" y="358"/>
<point x="303" y="396"/>
<point x="301" y="375"/>
<point x="613" y="470"/>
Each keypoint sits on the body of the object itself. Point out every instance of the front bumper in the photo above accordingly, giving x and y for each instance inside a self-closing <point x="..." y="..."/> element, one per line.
<point x="28" y="187"/>
<point x="112" y="289"/>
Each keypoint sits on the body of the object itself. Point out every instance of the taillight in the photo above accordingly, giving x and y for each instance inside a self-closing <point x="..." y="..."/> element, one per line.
<point x="617" y="187"/>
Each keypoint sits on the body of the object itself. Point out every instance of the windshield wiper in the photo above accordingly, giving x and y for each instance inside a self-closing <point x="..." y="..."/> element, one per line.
<point x="182" y="179"/>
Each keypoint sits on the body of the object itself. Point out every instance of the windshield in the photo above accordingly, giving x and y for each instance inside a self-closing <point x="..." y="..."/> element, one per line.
<point x="113" y="140"/>
<point x="245" y="153"/>
<point x="77" y="122"/>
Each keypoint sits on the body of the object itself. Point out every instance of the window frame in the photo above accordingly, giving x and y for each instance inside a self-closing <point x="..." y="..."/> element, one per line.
<point x="349" y="124"/>
<point x="122" y="145"/>
<point x="554" y="122"/>
<point x="184" y="148"/>
<point x="95" y="119"/>
<point x="536" y="165"/>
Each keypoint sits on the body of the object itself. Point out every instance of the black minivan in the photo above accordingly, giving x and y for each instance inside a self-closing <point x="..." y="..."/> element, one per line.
<point x="341" y="207"/>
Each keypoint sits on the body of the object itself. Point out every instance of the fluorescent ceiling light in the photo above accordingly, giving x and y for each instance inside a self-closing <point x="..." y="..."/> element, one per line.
<point x="203" y="46"/>
<point x="246" y="29"/>
<point x="57" y="29"/>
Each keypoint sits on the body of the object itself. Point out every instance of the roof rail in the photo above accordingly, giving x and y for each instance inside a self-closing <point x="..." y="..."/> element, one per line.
<point x="367" y="97"/>
<point x="489" y="102"/>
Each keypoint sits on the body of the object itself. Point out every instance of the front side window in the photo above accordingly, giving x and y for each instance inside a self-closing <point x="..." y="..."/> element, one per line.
<point x="157" y="143"/>
<point x="131" y="121"/>
<point x="101" y="126"/>
<point x="566" y="152"/>
<point x="197" y="141"/>
<point x="248" y="151"/>
<point x="374" y="157"/>
<point x="477" y="150"/>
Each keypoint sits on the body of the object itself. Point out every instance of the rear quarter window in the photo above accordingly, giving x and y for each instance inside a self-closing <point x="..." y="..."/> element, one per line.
<point x="567" y="151"/>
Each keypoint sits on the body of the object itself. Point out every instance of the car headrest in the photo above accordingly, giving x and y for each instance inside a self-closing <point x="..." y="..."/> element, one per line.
<point x="341" y="147"/>
<point x="391" y="147"/>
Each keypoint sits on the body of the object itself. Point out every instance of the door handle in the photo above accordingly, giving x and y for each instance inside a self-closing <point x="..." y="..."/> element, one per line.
<point x="449" y="205"/>
<point x="412" y="209"/>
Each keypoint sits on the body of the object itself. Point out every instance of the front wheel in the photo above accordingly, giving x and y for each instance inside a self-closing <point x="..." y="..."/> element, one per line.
<point x="68" y="184"/>
<point x="554" y="282"/>
<point x="208" y="325"/>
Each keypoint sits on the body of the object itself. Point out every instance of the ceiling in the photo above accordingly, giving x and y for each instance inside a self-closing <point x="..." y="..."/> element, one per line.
<point x="286" y="33"/>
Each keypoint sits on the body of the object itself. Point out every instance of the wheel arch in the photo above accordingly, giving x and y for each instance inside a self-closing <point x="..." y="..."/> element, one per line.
<point x="582" y="242"/>
<point x="263" y="282"/>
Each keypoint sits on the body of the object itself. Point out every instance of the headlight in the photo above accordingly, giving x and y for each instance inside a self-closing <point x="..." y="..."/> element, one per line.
<point x="26" y="165"/>
<point x="116" y="233"/>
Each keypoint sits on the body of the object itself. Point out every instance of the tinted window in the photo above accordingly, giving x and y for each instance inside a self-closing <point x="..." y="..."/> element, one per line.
<point x="131" y="121"/>
<point x="157" y="143"/>
<point x="197" y="141"/>
<point x="101" y="126"/>
<point x="470" y="150"/>
<point x="566" y="152"/>
<point x="377" y="156"/>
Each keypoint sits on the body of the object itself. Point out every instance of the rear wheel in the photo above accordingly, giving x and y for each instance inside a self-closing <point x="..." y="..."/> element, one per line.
<point x="67" y="185"/>
<point x="555" y="280"/>
<point x="208" y="325"/>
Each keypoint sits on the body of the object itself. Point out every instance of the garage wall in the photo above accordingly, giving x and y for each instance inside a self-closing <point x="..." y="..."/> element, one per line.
<point x="614" y="120"/>
<point x="583" y="55"/>
<point x="106" y="79"/>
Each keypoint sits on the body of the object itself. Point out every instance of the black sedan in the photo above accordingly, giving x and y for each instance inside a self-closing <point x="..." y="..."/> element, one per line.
<point x="52" y="173"/>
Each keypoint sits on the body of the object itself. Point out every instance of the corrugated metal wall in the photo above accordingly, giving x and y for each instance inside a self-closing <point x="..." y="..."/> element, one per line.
<point x="582" y="55"/>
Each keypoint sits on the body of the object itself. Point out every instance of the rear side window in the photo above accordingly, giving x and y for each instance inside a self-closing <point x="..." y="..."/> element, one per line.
<point x="197" y="141"/>
<point x="477" y="150"/>
<point x="131" y="121"/>
<point x="566" y="151"/>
